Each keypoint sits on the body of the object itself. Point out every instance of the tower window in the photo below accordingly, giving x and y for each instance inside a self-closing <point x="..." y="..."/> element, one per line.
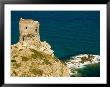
<point x="23" y="38"/>
<point x="26" y="27"/>
<point x="36" y="30"/>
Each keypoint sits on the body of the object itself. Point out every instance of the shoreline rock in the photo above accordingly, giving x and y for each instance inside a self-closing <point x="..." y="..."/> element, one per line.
<point x="81" y="60"/>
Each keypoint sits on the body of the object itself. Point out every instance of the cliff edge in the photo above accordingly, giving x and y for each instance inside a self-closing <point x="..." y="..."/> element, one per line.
<point x="31" y="57"/>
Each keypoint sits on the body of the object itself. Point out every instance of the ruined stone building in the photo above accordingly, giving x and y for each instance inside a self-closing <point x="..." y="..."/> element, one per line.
<point x="30" y="57"/>
<point x="29" y="31"/>
<point x="29" y="36"/>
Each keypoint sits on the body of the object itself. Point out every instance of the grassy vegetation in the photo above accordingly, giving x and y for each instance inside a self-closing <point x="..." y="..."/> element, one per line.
<point x="15" y="56"/>
<point x="24" y="58"/>
<point x="15" y="46"/>
<point x="25" y="75"/>
<point x="36" y="72"/>
<point x="15" y="73"/>
<point x="13" y="60"/>
<point x="36" y="54"/>
<point x="45" y="57"/>
<point x="30" y="35"/>
<point x="47" y="62"/>
<point x="20" y="49"/>
<point x="91" y="70"/>
<point x="16" y="65"/>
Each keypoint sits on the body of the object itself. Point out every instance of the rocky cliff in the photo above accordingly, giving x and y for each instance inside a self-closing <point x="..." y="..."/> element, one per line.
<point x="81" y="61"/>
<point x="31" y="57"/>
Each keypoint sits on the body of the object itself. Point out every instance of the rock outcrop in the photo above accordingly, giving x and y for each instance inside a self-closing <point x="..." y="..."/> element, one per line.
<point x="80" y="61"/>
<point x="31" y="57"/>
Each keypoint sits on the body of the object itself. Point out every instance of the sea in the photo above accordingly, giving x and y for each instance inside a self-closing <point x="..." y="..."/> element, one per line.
<point x="68" y="32"/>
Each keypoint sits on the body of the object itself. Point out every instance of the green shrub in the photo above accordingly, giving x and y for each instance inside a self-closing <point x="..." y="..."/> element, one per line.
<point x="15" y="73"/>
<point x="20" y="49"/>
<point x="15" y="56"/>
<point x="15" y="46"/>
<point x="13" y="60"/>
<point x="24" y="58"/>
<point x="16" y="65"/>
<point x="47" y="62"/>
<point x="36" y="72"/>
<point x="36" y="54"/>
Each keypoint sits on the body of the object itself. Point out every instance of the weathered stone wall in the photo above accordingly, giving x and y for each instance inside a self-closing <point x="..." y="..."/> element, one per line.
<point x="29" y="30"/>
<point x="29" y="36"/>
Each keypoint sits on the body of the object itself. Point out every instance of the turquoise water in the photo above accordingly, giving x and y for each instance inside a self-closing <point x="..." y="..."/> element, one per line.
<point x="68" y="32"/>
<point x="91" y="70"/>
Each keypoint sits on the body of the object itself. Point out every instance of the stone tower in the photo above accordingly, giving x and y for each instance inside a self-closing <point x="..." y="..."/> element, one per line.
<point x="29" y="31"/>
<point x="30" y="37"/>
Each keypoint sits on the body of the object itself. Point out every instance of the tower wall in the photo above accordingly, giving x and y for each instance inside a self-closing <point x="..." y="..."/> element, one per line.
<point x="30" y="38"/>
<point x="28" y="29"/>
